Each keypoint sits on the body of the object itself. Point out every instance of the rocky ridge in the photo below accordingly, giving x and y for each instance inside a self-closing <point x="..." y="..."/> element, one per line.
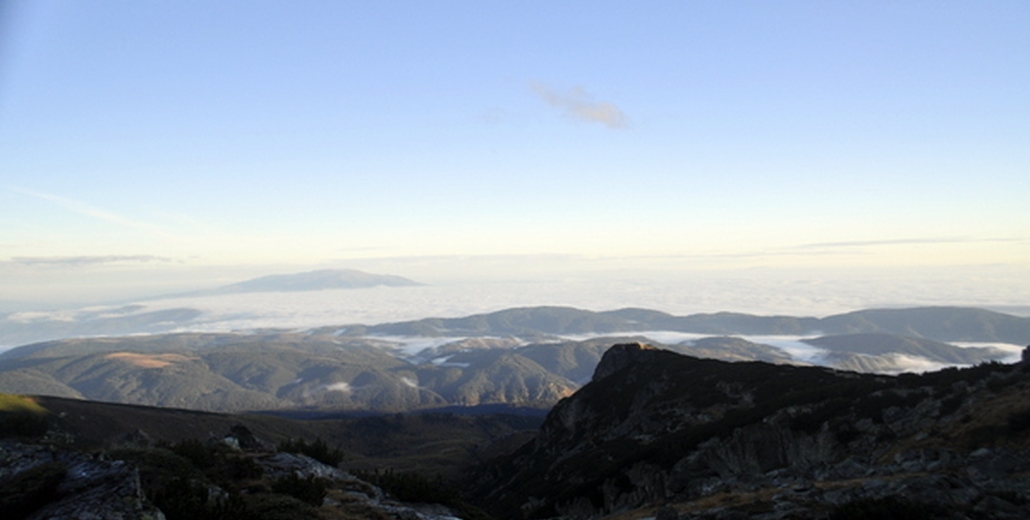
<point x="658" y="433"/>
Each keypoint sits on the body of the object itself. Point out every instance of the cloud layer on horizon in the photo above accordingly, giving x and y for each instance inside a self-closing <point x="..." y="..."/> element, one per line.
<point x="88" y="260"/>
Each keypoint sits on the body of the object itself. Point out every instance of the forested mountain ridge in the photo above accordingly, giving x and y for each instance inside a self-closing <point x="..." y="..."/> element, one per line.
<point x="948" y="324"/>
<point x="937" y="323"/>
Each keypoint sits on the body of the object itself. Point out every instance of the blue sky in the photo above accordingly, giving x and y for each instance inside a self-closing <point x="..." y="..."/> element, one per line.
<point x="668" y="136"/>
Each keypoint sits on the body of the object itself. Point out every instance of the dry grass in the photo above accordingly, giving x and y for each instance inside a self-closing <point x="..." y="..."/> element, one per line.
<point x="12" y="403"/>
<point x="148" y="360"/>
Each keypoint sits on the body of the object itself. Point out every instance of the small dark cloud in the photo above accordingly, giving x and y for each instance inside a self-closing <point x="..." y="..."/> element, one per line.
<point x="578" y="104"/>
<point x="76" y="261"/>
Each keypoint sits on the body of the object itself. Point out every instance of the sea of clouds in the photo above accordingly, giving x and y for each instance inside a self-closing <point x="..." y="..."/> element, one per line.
<point x="391" y="304"/>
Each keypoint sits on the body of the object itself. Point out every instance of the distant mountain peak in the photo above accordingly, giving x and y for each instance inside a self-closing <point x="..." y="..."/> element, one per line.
<point x="316" y="281"/>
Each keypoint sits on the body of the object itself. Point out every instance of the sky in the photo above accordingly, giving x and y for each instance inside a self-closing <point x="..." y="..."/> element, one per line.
<point x="147" y="146"/>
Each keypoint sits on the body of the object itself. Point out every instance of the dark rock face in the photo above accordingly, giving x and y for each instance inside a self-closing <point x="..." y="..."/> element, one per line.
<point x="621" y="356"/>
<point x="773" y="441"/>
<point x="243" y="438"/>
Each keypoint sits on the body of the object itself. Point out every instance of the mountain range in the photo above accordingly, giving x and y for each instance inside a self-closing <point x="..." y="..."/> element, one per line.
<point x="937" y="323"/>
<point x="528" y="357"/>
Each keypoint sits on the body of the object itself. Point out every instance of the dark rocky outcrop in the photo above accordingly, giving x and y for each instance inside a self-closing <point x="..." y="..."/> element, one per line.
<point x="39" y="482"/>
<point x="710" y="439"/>
<point x="621" y="356"/>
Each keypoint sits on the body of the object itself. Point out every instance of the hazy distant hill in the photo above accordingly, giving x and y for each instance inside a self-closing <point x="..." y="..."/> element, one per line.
<point x="527" y="323"/>
<point x="128" y="319"/>
<point x="879" y="343"/>
<point x="315" y="281"/>
<point x="24" y="328"/>
<point x="937" y="323"/>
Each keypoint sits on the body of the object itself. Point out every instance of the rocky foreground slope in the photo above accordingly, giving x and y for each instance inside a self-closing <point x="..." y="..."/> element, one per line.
<point x="51" y="466"/>
<point x="659" y="433"/>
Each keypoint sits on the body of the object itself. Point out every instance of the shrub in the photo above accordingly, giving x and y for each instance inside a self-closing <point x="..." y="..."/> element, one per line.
<point x="844" y="432"/>
<point x="1019" y="421"/>
<point x="31" y="489"/>
<point x="186" y="499"/>
<point x="888" y="508"/>
<point x="412" y="487"/>
<point x="997" y="384"/>
<point x="317" y="450"/>
<point x="232" y="470"/>
<point x="952" y="403"/>
<point x="157" y="466"/>
<point x="21" y="424"/>
<point x="279" y="507"/>
<point x="201" y="455"/>
<point x="311" y="490"/>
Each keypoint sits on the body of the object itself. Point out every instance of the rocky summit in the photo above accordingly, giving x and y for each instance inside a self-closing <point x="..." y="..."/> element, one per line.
<point x="660" y="434"/>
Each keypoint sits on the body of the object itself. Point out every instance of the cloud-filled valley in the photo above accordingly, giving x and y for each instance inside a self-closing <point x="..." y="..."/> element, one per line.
<point x="757" y="294"/>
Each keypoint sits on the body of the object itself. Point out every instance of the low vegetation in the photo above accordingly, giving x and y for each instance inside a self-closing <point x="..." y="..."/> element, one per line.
<point x="23" y="493"/>
<point x="417" y="488"/>
<point x="318" y="450"/>
<point x="888" y="508"/>
<point x="21" y="416"/>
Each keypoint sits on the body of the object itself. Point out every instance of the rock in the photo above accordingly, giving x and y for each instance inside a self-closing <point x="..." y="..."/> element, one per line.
<point x="281" y="464"/>
<point x="134" y="439"/>
<point x="653" y="427"/>
<point x="88" y="489"/>
<point x="245" y="438"/>
<point x="621" y="356"/>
